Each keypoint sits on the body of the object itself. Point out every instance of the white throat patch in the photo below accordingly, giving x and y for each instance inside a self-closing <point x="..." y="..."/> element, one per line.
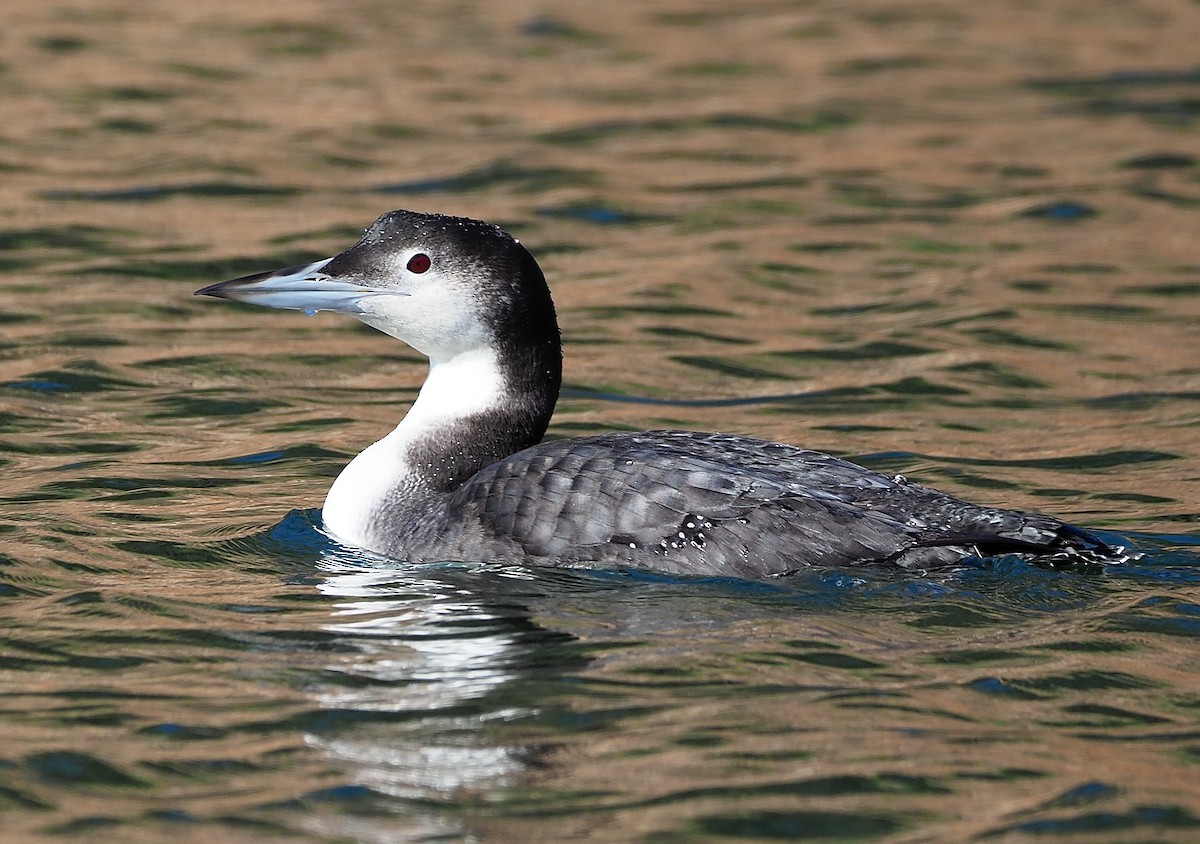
<point x="456" y="388"/>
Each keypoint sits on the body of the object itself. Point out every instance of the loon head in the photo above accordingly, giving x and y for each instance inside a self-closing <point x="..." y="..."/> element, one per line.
<point x="446" y="286"/>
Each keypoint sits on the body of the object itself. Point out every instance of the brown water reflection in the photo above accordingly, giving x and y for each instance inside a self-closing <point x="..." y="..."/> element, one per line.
<point x="957" y="241"/>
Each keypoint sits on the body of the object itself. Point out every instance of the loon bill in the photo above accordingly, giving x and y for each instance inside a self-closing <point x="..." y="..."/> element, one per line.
<point x="464" y="475"/>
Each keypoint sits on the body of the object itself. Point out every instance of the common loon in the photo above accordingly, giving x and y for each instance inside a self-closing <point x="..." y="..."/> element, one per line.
<point x="465" y="476"/>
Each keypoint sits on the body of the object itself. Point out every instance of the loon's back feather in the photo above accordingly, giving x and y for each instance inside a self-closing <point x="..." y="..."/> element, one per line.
<point x="685" y="502"/>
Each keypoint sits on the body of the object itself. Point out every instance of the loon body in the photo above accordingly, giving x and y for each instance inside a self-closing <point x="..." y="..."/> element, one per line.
<point x="465" y="476"/>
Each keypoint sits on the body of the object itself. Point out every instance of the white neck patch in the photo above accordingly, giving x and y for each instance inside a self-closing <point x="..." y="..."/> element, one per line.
<point x="458" y="387"/>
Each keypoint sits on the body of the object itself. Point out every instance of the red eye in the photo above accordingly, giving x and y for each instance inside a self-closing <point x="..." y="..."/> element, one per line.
<point x="419" y="263"/>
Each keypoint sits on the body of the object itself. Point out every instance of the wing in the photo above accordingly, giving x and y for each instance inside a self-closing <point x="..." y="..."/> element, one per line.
<point x="683" y="502"/>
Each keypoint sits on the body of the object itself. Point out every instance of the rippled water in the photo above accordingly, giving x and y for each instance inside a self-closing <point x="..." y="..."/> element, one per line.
<point x="954" y="242"/>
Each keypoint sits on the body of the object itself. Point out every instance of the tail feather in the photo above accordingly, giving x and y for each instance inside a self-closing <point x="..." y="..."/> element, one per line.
<point x="1066" y="545"/>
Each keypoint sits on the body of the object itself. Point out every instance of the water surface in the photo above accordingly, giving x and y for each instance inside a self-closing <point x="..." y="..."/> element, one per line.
<point x="954" y="243"/>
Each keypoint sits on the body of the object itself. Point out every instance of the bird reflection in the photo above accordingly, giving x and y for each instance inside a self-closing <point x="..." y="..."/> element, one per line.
<point x="424" y="662"/>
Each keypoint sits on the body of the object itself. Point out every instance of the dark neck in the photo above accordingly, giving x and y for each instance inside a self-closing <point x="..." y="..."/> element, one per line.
<point x="444" y="449"/>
